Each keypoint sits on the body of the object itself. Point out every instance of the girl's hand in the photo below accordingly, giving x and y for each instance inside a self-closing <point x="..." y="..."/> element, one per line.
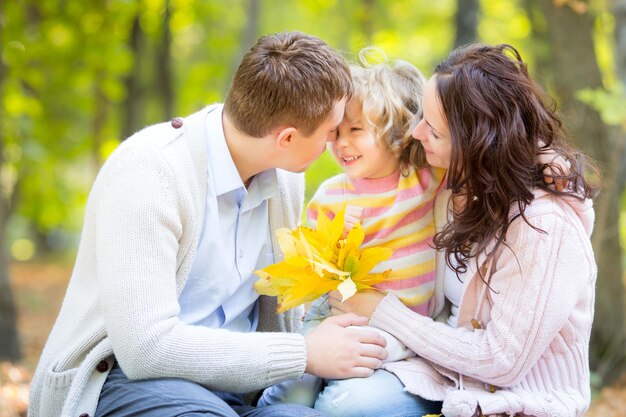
<point x="352" y="215"/>
<point x="555" y="166"/>
<point x="362" y="303"/>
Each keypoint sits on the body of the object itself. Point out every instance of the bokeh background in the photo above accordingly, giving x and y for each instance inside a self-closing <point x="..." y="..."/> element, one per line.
<point x="77" y="77"/>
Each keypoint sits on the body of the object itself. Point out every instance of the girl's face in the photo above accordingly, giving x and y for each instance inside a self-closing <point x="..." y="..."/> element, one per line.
<point x="357" y="151"/>
<point x="433" y="130"/>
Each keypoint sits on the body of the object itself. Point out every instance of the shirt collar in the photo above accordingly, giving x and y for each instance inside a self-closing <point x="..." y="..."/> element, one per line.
<point x="221" y="161"/>
<point x="266" y="183"/>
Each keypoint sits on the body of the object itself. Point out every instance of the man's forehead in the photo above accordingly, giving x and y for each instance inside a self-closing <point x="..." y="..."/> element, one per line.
<point x="353" y="112"/>
<point x="337" y="113"/>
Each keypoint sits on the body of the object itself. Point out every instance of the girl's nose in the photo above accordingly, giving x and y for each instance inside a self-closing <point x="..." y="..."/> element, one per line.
<point x="341" y="141"/>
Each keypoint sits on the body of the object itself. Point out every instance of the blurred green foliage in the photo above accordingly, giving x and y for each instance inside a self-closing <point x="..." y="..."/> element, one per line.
<point x="66" y="68"/>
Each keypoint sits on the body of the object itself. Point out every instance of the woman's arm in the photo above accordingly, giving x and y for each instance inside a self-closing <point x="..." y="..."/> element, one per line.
<point x="537" y="284"/>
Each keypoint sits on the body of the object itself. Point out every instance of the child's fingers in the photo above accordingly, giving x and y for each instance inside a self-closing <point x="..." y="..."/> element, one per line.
<point x="552" y="174"/>
<point x="352" y="216"/>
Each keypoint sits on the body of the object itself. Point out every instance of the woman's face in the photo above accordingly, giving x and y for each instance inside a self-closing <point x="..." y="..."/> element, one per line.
<point x="433" y="130"/>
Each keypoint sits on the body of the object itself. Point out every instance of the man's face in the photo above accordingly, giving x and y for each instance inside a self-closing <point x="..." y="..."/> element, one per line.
<point x="308" y="148"/>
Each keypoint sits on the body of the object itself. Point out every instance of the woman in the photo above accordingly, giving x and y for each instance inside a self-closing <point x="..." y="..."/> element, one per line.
<point x="516" y="272"/>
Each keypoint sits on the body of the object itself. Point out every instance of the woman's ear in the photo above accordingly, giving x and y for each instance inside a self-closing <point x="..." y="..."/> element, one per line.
<point x="285" y="136"/>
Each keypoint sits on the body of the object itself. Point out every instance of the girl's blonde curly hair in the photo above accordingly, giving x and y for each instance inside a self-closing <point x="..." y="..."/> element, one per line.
<point x="389" y="93"/>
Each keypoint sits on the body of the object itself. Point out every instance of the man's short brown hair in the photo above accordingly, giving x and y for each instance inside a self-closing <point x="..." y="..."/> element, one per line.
<point x="287" y="78"/>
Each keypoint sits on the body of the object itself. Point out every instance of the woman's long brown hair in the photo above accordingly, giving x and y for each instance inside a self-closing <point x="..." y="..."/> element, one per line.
<point x="499" y="120"/>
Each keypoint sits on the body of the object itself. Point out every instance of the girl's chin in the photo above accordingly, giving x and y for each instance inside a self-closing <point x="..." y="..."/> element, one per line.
<point x="351" y="173"/>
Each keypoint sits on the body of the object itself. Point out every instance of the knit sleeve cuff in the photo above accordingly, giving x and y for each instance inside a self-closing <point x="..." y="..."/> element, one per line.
<point x="286" y="357"/>
<point x="394" y="317"/>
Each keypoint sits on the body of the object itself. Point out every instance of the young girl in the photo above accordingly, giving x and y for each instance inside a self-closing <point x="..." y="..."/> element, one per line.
<point x="390" y="189"/>
<point x="387" y="184"/>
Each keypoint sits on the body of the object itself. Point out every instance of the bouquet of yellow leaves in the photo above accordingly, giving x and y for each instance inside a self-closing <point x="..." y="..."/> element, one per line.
<point x="320" y="260"/>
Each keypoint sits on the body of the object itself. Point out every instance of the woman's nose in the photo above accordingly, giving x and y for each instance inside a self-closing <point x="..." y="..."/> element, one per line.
<point x="418" y="132"/>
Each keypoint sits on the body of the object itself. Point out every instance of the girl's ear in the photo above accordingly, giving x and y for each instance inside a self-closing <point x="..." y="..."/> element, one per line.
<point x="285" y="136"/>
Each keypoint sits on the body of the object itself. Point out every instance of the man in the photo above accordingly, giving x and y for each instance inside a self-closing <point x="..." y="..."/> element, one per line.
<point x="160" y="317"/>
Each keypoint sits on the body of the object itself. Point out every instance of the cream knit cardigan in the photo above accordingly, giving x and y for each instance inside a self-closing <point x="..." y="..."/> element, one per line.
<point x="536" y="323"/>
<point x="140" y="234"/>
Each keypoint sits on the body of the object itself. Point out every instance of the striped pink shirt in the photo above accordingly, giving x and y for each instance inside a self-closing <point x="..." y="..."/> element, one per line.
<point x="397" y="213"/>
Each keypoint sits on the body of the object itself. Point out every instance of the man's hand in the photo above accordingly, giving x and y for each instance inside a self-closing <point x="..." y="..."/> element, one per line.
<point x="337" y="353"/>
<point x="362" y="303"/>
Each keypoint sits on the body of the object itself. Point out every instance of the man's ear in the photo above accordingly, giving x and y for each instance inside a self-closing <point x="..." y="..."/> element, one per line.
<point x="285" y="136"/>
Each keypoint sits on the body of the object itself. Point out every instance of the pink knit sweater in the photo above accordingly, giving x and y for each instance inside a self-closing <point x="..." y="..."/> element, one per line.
<point x="536" y="323"/>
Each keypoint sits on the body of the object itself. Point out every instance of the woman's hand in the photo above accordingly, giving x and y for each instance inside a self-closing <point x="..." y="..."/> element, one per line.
<point x="363" y="303"/>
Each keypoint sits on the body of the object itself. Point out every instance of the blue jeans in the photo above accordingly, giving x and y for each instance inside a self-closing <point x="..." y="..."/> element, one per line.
<point x="379" y="395"/>
<point x="302" y="391"/>
<point x="170" y="397"/>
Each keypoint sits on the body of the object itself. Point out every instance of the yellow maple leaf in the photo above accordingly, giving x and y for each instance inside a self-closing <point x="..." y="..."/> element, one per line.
<point x="347" y="289"/>
<point x="368" y="259"/>
<point x="317" y="261"/>
<point x="350" y="244"/>
<point x="330" y="230"/>
<point x="293" y="281"/>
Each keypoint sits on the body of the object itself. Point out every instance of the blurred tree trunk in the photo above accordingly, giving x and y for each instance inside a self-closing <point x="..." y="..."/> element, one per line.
<point x="248" y="37"/>
<point x="365" y="20"/>
<point x="540" y="43"/>
<point x="251" y="30"/>
<point x="619" y="12"/>
<point x="156" y="85"/>
<point x="131" y="117"/>
<point x="466" y="22"/>
<point x="164" y="66"/>
<point x="9" y="338"/>
<point x="99" y="119"/>
<point x="574" y="63"/>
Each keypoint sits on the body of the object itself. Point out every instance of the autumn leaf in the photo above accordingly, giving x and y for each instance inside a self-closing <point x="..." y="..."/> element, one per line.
<point x="350" y="244"/>
<point x="317" y="261"/>
<point x="294" y="282"/>
<point x="347" y="289"/>
<point x="368" y="259"/>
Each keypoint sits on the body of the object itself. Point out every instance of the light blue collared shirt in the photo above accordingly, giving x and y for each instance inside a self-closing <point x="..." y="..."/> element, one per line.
<point x="234" y="242"/>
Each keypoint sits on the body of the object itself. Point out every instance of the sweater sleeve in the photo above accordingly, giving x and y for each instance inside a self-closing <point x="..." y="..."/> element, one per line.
<point x="537" y="282"/>
<point x="140" y="220"/>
